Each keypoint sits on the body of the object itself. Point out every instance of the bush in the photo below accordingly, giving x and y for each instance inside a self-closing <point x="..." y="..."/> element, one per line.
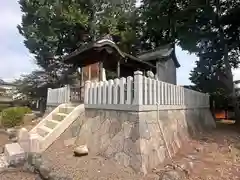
<point x="24" y="110"/>
<point x="3" y="106"/>
<point x="12" y="117"/>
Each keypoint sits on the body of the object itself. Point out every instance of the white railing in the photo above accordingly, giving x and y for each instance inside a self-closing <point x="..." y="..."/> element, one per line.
<point x="58" y="96"/>
<point x="118" y="91"/>
<point x="141" y="90"/>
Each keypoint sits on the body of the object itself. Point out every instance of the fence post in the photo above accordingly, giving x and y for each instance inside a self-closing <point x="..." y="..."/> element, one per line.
<point x="208" y="100"/>
<point x="95" y="87"/>
<point x="158" y="92"/>
<point x="87" y="86"/>
<point x="91" y="93"/>
<point x="48" y="96"/>
<point x="174" y="95"/>
<point x="154" y="95"/>
<point x="138" y="88"/>
<point x="150" y="91"/>
<point x="129" y="90"/>
<point x="145" y="90"/>
<point x="100" y="88"/>
<point x="68" y="93"/>
<point x="116" y="94"/>
<point x="110" y="92"/>
<point x="105" y="86"/>
<point x="122" y="90"/>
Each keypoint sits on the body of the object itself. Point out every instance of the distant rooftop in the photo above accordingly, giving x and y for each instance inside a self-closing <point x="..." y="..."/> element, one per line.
<point x="161" y="52"/>
<point x="2" y="82"/>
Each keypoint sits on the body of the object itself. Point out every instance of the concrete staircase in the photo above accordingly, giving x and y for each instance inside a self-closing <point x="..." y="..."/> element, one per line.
<point x="53" y="125"/>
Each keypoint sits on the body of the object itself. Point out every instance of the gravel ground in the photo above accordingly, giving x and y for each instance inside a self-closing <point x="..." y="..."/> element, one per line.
<point x="210" y="156"/>
<point x="17" y="175"/>
<point x="85" y="168"/>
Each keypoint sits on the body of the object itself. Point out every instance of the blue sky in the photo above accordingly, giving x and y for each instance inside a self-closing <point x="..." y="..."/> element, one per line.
<point x="16" y="60"/>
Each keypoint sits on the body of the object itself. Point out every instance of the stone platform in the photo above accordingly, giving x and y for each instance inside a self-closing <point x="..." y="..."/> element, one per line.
<point x="140" y="140"/>
<point x="14" y="153"/>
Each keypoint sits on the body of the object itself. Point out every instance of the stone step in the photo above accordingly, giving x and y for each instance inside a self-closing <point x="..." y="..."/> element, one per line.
<point x="51" y="124"/>
<point x="43" y="131"/>
<point x="66" y="110"/>
<point x="51" y="127"/>
<point x="59" y="116"/>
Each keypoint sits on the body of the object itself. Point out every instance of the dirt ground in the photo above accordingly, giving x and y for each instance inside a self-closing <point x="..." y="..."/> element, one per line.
<point x="211" y="156"/>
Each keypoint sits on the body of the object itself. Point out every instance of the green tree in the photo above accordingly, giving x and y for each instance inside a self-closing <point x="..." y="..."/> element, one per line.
<point x="208" y="28"/>
<point x="118" y="18"/>
<point x="57" y="27"/>
<point x="54" y="28"/>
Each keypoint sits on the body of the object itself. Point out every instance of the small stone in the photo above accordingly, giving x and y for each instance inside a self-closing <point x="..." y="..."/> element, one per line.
<point x="44" y="171"/>
<point x="81" y="150"/>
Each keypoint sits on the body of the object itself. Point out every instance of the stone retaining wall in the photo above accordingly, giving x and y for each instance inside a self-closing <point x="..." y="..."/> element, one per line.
<point x="135" y="139"/>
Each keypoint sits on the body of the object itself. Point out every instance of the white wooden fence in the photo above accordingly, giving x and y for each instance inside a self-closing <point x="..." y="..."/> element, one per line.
<point x="58" y="96"/>
<point x="141" y="90"/>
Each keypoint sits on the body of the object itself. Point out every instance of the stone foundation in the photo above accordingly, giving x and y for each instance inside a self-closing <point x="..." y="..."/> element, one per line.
<point x="177" y="126"/>
<point x="138" y="139"/>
